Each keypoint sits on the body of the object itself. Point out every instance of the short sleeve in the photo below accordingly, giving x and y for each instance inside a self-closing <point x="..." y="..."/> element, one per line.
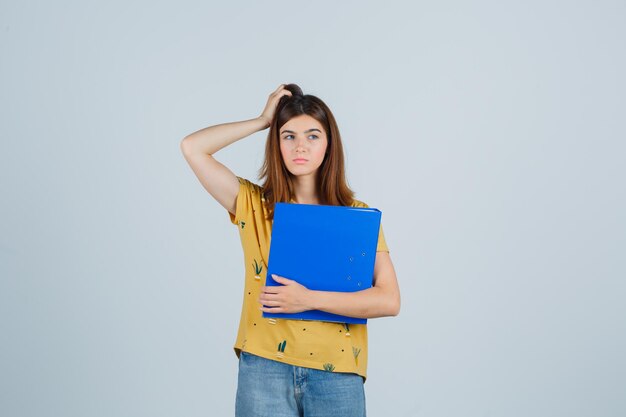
<point x="244" y="201"/>
<point x="382" y="243"/>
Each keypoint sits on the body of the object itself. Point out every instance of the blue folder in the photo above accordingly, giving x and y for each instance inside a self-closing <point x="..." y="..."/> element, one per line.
<point x="327" y="248"/>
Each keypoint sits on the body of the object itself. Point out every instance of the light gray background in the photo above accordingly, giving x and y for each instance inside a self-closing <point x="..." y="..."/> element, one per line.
<point x="490" y="134"/>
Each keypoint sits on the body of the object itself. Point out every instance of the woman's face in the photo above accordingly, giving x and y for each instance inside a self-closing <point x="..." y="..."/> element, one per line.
<point x="303" y="137"/>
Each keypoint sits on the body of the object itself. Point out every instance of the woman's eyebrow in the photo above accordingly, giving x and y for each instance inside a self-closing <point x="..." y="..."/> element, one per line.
<point x="306" y="131"/>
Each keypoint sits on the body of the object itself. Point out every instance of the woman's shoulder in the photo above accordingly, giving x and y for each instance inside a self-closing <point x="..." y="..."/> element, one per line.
<point x="245" y="181"/>
<point x="249" y="184"/>
<point x="358" y="203"/>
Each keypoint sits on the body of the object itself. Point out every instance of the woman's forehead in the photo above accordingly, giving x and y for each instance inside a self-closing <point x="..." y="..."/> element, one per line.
<point x="302" y="124"/>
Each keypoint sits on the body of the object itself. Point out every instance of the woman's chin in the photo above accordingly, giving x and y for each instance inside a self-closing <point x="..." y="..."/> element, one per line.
<point x="301" y="173"/>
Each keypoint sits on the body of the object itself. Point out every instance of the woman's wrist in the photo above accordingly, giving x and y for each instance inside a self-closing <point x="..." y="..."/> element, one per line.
<point x="266" y="123"/>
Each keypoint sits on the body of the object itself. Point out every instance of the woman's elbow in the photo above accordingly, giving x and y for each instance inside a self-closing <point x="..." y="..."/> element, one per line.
<point x="394" y="308"/>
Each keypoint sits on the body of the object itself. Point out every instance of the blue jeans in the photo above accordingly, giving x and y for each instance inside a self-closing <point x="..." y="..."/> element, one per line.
<point x="271" y="388"/>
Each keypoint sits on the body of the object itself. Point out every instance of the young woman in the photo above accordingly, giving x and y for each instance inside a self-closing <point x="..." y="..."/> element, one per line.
<point x="293" y="367"/>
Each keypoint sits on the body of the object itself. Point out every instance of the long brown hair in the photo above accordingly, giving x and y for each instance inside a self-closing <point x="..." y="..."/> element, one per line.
<point x="332" y="187"/>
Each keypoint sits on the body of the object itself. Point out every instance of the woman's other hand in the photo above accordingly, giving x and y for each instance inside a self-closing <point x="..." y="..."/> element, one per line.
<point x="291" y="297"/>
<point x="272" y="102"/>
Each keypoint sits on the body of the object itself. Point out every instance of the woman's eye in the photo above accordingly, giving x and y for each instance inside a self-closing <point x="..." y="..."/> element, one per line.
<point x="311" y="136"/>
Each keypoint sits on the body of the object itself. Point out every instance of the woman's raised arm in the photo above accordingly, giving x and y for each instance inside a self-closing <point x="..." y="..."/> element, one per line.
<point x="198" y="149"/>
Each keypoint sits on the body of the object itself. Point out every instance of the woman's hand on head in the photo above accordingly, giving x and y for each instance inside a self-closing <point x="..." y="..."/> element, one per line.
<point x="272" y="102"/>
<point x="291" y="297"/>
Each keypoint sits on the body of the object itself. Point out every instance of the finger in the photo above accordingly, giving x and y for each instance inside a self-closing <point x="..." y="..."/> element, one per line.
<point x="278" y="277"/>
<point x="272" y="309"/>
<point x="270" y="297"/>
<point x="278" y="96"/>
<point x="270" y="303"/>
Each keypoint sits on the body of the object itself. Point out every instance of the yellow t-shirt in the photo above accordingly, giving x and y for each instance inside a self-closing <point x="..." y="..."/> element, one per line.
<point x="335" y="347"/>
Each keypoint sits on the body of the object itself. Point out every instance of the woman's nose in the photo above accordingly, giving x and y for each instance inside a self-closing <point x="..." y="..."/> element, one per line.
<point x="301" y="143"/>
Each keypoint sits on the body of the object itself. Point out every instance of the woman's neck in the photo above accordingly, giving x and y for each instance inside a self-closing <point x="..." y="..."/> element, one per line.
<point x="305" y="190"/>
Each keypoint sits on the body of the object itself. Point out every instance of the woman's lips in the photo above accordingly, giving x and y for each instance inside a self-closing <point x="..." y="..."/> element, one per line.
<point x="300" y="161"/>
